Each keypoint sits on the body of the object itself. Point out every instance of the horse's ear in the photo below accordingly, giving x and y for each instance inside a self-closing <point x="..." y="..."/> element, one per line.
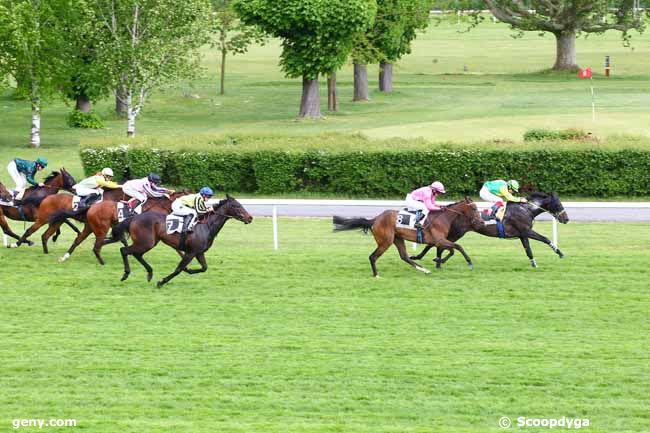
<point x="468" y="199"/>
<point x="228" y="196"/>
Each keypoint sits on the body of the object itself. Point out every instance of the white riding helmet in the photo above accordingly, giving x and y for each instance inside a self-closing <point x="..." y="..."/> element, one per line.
<point x="107" y="172"/>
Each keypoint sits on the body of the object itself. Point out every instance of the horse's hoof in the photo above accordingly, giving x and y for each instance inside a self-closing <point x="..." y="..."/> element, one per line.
<point x="471" y="266"/>
<point x="421" y="269"/>
<point x="159" y="284"/>
<point x="65" y="257"/>
<point x="377" y="276"/>
<point x="124" y="277"/>
<point x="149" y="277"/>
<point x="29" y="244"/>
<point x="533" y="263"/>
<point x="562" y="256"/>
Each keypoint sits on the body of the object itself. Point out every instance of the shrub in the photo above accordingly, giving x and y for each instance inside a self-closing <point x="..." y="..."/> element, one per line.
<point x="79" y="119"/>
<point x="541" y="134"/>
<point x="383" y="173"/>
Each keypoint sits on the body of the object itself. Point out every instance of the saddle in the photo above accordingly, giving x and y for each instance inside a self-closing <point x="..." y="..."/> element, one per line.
<point x="494" y="214"/>
<point x="79" y="202"/>
<point x="124" y="211"/>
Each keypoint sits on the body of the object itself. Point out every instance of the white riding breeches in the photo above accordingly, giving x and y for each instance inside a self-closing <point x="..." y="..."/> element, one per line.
<point x="83" y="192"/>
<point x="19" y="179"/>
<point x="181" y="210"/>
<point x="413" y="204"/>
<point x="131" y="192"/>
<point x="488" y="196"/>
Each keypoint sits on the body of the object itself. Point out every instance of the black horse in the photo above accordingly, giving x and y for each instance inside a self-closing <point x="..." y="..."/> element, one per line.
<point x="518" y="224"/>
<point x="147" y="229"/>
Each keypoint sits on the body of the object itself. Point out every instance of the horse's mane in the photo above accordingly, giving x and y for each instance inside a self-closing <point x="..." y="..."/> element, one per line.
<point x="538" y="195"/>
<point x="51" y="176"/>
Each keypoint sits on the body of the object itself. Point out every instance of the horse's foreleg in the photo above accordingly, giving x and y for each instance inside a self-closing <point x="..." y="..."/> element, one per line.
<point x="23" y="239"/>
<point x="125" y="259"/>
<point x="140" y="257"/>
<point x="204" y="265"/>
<point x="449" y="245"/>
<point x="6" y="229"/>
<point x="401" y="248"/>
<point x="529" y="251"/>
<point x="423" y="253"/>
<point x="439" y="260"/>
<point x="77" y="241"/>
<point x="187" y="258"/>
<point x="536" y="236"/>
<point x="47" y="234"/>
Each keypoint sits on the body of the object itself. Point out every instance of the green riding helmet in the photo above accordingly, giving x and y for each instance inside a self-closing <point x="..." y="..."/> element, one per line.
<point x="514" y="185"/>
<point x="41" y="161"/>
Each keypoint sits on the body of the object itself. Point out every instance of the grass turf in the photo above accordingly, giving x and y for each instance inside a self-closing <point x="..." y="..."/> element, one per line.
<point x="502" y="94"/>
<point x="304" y="340"/>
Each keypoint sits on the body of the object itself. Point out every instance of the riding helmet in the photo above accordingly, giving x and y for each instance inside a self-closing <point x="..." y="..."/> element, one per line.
<point x="107" y="172"/>
<point x="514" y="185"/>
<point x="41" y="161"/>
<point x="206" y="191"/>
<point x="438" y="186"/>
<point x="154" y="178"/>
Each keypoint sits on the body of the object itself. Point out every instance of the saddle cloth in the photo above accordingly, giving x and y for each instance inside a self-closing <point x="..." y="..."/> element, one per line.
<point x="174" y="224"/>
<point x="76" y="199"/>
<point x="406" y="219"/>
<point x="124" y="211"/>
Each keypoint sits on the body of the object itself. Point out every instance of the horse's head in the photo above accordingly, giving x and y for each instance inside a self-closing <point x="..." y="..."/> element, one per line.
<point x="550" y="203"/>
<point x="60" y="179"/>
<point x="68" y="180"/>
<point x="231" y="208"/>
<point x="5" y="195"/>
<point x="470" y="211"/>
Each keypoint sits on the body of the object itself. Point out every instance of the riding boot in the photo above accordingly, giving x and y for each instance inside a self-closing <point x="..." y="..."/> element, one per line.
<point x="88" y="200"/>
<point x="418" y="217"/>
<point x="186" y="225"/>
<point x="493" y="214"/>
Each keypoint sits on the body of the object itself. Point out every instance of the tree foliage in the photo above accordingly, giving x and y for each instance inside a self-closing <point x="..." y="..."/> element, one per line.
<point x="396" y="27"/>
<point x="317" y="35"/>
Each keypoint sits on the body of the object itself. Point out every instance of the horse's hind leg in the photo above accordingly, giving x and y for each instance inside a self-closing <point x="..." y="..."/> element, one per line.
<point x="140" y="257"/>
<point x="125" y="259"/>
<point x="529" y="251"/>
<point x="439" y="260"/>
<point x="6" y="229"/>
<point x="72" y="226"/>
<point x="449" y="245"/>
<point x="202" y="262"/>
<point x="23" y="239"/>
<point x="401" y="247"/>
<point x="423" y="253"/>
<point x="187" y="258"/>
<point x="47" y="234"/>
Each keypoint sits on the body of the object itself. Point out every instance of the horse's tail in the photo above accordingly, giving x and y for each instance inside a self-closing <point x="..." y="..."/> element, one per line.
<point x="341" y="224"/>
<point x="62" y="215"/>
<point x="120" y="229"/>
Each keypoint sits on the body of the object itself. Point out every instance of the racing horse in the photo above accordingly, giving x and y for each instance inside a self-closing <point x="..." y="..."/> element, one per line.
<point x="32" y="199"/>
<point x="100" y="217"/>
<point x="518" y="223"/>
<point x="54" y="203"/>
<point x="147" y="229"/>
<point x="435" y="231"/>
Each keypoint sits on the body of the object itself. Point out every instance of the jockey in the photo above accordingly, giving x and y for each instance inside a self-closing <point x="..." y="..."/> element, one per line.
<point x="23" y="172"/>
<point x="423" y="200"/>
<point x="499" y="191"/>
<point x="90" y="188"/>
<point x="191" y="206"/>
<point x="141" y="189"/>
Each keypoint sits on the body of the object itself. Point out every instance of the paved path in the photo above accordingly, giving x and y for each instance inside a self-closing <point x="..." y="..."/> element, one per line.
<point x="577" y="211"/>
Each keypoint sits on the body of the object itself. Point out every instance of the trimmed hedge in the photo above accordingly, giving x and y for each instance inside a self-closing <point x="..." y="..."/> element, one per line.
<point x="594" y="173"/>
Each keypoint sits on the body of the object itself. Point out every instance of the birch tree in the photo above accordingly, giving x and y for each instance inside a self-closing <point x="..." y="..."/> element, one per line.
<point x="317" y="37"/>
<point x="150" y="43"/>
<point x="31" y="41"/>
<point x="232" y="35"/>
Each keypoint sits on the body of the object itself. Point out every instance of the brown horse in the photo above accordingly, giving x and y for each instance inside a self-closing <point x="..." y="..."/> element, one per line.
<point x="148" y="229"/>
<point x="435" y="231"/>
<point x="100" y="217"/>
<point x="55" y="203"/>
<point x="32" y="199"/>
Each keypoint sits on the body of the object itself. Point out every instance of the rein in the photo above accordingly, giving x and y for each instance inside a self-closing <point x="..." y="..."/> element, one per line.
<point x="554" y="215"/>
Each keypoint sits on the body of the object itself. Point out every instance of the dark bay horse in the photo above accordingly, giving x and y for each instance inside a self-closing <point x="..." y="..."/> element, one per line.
<point x="147" y="229"/>
<point x="55" y="203"/>
<point x="518" y="219"/>
<point x="100" y="217"/>
<point x="435" y="230"/>
<point x="32" y="199"/>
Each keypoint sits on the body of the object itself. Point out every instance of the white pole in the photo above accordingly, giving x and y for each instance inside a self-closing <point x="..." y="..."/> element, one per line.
<point x="275" y="227"/>
<point x="554" y="232"/>
<point x="593" y="101"/>
<point x="415" y="246"/>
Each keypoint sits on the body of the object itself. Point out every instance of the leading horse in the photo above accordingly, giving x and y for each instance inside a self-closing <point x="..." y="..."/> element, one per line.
<point x="435" y="230"/>
<point x="518" y="224"/>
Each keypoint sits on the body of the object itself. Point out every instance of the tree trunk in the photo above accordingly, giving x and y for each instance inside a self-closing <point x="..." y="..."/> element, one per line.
<point x="130" y="116"/>
<point x="83" y="103"/>
<point x="360" y="82"/>
<point x="332" y="99"/>
<point x="565" y="59"/>
<point x="120" y="101"/>
<point x="35" y="137"/>
<point x="385" y="77"/>
<point x="310" y="102"/>
<point x="222" y="79"/>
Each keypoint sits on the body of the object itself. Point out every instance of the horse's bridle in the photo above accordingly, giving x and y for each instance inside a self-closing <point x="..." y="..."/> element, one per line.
<point x="554" y="215"/>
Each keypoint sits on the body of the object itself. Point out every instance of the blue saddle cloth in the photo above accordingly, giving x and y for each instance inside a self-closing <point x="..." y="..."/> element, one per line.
<point x="501" y="230"/>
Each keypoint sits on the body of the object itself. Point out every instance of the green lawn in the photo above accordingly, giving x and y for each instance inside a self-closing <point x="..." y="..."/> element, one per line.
<point x="304" y="340"/>
<point x="502" y="94"/>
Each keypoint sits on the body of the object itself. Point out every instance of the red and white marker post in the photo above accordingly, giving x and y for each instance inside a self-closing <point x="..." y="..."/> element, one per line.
<point x="584" y="74"/>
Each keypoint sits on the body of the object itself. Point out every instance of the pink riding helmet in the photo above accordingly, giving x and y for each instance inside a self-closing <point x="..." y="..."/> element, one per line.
<point x="438" y="187"/>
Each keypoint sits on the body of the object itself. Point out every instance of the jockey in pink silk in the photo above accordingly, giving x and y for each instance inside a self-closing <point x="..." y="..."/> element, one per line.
<point x="423" y="200"/>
